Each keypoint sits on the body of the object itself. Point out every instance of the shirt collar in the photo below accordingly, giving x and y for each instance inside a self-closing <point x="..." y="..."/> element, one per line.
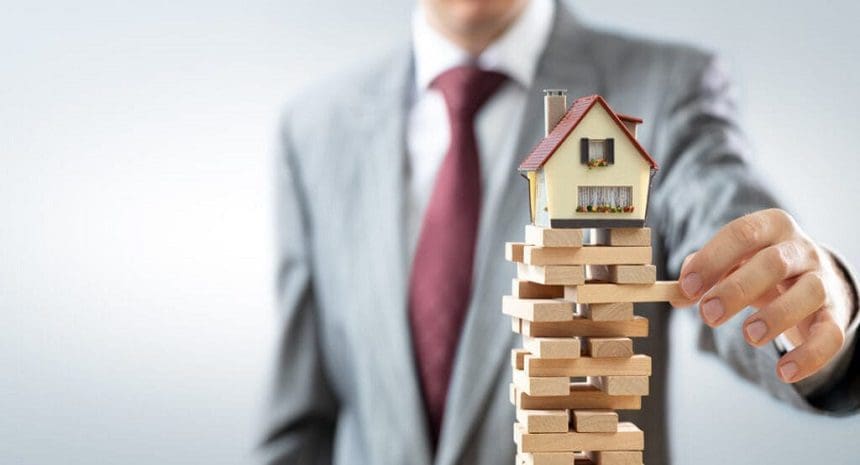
<point x="515" y="52"/>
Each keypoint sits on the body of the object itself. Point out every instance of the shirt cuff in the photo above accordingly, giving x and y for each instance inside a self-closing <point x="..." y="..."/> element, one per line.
<point x="834" y="371"/>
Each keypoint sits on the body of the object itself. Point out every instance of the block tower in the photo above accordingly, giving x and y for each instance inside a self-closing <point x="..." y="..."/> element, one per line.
<point x="585" y="260"/>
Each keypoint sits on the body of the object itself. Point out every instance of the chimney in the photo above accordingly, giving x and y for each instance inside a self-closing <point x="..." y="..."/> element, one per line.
<point x="554" y="106"/>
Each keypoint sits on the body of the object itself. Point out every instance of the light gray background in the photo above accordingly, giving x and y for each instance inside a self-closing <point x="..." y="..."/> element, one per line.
<point x="135" y="197"/>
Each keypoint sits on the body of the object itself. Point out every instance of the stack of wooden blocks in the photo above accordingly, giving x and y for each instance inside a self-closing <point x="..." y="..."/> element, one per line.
<point x="572" y="302"/>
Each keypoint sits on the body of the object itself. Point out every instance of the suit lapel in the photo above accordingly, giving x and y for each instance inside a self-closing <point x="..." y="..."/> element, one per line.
<point x="487" y="337"/>
<point x="396" y="398"/>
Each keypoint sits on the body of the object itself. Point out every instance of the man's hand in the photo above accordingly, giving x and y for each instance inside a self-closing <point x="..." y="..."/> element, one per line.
<point x="764" y="260"/>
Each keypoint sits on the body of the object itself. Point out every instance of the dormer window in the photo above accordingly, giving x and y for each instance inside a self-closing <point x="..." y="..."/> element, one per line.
<point x="597" y="152"/>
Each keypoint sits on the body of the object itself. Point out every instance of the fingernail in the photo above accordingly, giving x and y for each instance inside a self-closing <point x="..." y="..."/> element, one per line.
<point x="756" y="330"/>
<point x="787" y="371"/>
<point x="691" y="284"/>
<point x="712" y="310"/>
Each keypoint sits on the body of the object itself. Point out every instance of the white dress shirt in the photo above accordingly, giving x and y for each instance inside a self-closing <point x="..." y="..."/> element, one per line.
<point x="516" y="54"/>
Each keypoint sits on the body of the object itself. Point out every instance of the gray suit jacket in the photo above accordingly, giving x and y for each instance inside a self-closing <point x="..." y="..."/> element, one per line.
<point x="345" y="389"/>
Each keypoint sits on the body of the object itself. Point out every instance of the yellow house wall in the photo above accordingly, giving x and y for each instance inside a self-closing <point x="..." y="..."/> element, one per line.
<point x="564" y="172"/>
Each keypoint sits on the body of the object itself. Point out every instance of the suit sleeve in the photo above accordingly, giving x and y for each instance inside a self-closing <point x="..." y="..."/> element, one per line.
<point x="704" y="182"/>
<point x="300" y="416"/>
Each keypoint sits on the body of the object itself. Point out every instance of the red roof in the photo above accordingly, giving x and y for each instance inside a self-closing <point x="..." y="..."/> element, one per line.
<point x="546" y="147"/>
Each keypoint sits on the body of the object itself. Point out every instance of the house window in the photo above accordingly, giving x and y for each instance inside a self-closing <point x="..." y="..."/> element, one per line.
<point x="595" y="151"/>
<point x="605" y="199"/>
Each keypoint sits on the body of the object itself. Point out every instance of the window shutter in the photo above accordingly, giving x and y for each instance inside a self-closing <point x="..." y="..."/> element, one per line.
<point x="583" y="150"/>
<point x="610" y="151"/>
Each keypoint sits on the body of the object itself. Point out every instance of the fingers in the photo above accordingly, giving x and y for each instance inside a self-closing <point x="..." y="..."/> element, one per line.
<point x="823" y="343"/>
<point x="787" y="311"/>
<point x="757" y="277"/>
<point x="733" y="243"/>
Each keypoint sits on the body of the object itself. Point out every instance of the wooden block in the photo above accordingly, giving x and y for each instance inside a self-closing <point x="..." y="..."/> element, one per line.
<point x="551" y="458"/>
<point x="518" y="358"/>
<point x="516" y="325"/>
<point x="623" y="237"/>
<point x="544" y="421"/>
<point x="660" y="291"/>
<point x="581" y="396"/>
<point x="547" y="237"/>
<point x="616" y="457"/>
<point x="523" y="289"/>
<point x="637" y="365"/>
<point x="553" y="347"/>
<point x="591" y="255"/>
<point x="512" y="393"/>
<point x="584" y="327"/>
<point x="622" y="274"/>
<point x="514" y="251"/>
<point x="595" y="421"/>
<point x="537" y="309"/>
<point x="622" y="385"/>
<point x="543" y="386"/>
<point x="614" y="311"/>
<point x="565" y="275"/>
<point x="628" y="437"/>
<point x="610" y="347"/>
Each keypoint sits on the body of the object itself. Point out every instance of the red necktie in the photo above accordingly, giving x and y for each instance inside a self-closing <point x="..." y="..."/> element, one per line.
<point x="441" y="280"/>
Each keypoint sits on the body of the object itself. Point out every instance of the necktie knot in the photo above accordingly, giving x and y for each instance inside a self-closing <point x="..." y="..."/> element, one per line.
<point x="466" y="89"/>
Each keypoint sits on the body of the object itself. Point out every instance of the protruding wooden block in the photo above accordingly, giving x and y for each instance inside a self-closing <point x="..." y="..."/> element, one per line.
<point x="595" y="421"/>
<point x="514" y="251"/>
<point x="581" y="396"/>
<point x="623" y="237"/>
<point x="584" y="327"/>
<point x="547" y="237"/>
<point x="537" y="309"/>
<point x="661" y="291"/>
<point x="614" y="311"/>
<point x="553" y="347"/>
<point x="628" y="437"/>
<point x="551" y="458"/>
<point x="565" y="275"/>
<point x="637" y="365"/>
<point x="622" y="274"/>
<point x="516" y="325"/>
<point x="610" y="347"/>
<point x="622" y="385"/>
<point x="518" y="358"/>
<point x="542" y="386"/>
<point x="523" y="289"/>
<point x="544" y="421"/>
<point x="616" y="457"/>
<point x="591" y="255"/>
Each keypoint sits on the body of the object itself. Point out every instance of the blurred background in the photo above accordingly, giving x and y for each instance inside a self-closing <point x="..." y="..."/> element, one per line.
<point x="136" y="268"/>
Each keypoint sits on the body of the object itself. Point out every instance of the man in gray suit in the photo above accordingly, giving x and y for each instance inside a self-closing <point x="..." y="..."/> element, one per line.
<point x="375" y="369"/>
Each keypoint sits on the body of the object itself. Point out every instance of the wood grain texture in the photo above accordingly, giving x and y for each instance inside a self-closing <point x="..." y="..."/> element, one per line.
<point x="553" y="237"/>
<point x="627" y="437"/>
<point x="524" y="289"/>
<point x="537" y="309"/>
<point x="514" y="251"/>
<point x="623" y="237"/>
<point x="591" y="255"/>
<point x="637" y="365"/>
<point x="610" y="347"/>
<point x="660" y="291"/>
<point x="622" y="274"/>
<point x="584" y="327"/>
<point x="564" y="275"/>
<point x="623" y="385"/>
<point x="544" y="421"/>
<point x="613" y="311"/>
<point x="541" y="386"/>
<point x="518" y="358"/>
<point x="580" y="396"/>
<point x="595" y="421"/>
<point x="553" y="347"/>
<point x="616" y="457"/>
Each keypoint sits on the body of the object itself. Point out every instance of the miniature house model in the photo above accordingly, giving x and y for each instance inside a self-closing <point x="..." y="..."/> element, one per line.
<point x="589" y="171"/>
